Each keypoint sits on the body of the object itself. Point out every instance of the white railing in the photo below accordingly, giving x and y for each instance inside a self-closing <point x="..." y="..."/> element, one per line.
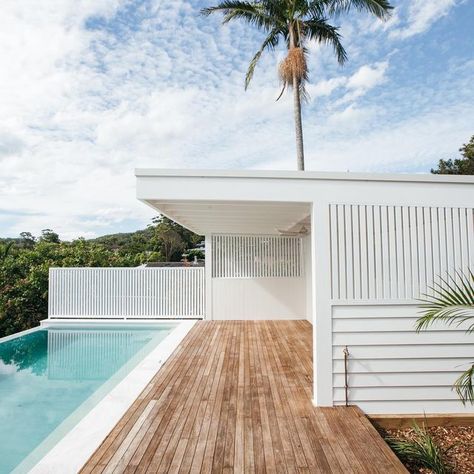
<point x="126" y="293"/>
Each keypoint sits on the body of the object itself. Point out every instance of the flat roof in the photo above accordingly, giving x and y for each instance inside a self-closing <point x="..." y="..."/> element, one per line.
<point x="314" y="175"/>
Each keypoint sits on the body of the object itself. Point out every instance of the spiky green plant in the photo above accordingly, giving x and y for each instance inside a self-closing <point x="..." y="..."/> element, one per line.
<point x="295" y="22"/>
<point x="452" y="302"/>
<point x="421" y="451"/>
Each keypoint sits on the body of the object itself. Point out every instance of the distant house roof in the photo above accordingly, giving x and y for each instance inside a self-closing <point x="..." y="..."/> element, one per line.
<point x="199" y="263"/>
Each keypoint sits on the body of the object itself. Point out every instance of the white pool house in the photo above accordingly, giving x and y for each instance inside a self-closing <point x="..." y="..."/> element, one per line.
<point x="349" y="252"/>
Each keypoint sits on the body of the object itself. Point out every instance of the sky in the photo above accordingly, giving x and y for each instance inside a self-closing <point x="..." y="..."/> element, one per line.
<point x="91" y="89"/>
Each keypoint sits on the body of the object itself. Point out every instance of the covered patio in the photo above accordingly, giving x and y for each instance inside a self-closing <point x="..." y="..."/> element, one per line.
<point x="257" y="255"/>
<point x="350" y="253"/>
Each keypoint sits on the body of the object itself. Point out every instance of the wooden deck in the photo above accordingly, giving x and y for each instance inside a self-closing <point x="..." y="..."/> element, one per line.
<point x="236" y="397"/>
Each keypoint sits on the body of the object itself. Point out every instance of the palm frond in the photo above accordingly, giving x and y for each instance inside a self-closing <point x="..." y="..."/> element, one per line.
<point x="276" y="9"/>
<point x="318" y="29"/>
<point x="452" y="301"/>
<point x="270" y="42"/>
<point x="251" y="12"/>
<point x="316" y="8"/>
<point x="380" y="8"/>
<point x="464" y="386"/>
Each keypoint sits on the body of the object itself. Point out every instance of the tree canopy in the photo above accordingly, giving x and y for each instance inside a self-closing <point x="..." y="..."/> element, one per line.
<point x="464" y="165"/>
<point x="25" y="263"/>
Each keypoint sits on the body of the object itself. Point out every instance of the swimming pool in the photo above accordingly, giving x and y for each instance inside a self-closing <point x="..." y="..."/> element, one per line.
<point x="51" y="377"/>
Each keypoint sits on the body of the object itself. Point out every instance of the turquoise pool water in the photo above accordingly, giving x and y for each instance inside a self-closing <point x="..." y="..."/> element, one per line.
<point x="49" y="375"/>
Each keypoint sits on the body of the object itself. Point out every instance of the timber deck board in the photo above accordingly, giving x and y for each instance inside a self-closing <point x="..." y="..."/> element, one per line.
<point x="235" y="397"/>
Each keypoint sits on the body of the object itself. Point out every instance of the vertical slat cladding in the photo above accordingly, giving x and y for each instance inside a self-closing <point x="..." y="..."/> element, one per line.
<point x="407" y="252"/>
<point x="386" y="260"/>
<point x="349" y="242"/>
<point x="463" y="237"/>
<point x="396" y="252"/>
<point x="371" y="257"/>
<point x="429" y="250"/>
<point x="342" y="250"/>
<point x="126" y="292"/>
<point x="263" y="256"/>
<point x="364" y="258"/>
<point x="470" y="236"/>
<point x="334" y="253"/>
<point x="400" y="246"/>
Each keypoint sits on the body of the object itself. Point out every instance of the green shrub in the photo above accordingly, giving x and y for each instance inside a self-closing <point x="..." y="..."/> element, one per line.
<point x="420" y="451"/>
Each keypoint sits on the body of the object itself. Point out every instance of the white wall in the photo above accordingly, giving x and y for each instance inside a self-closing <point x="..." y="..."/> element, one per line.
<point x="393" y="369"/>
<point x="383" y="259"/>
<point x="258" y="298"/>
<point x="257" y="277"/>
<point x="308" y="277"/>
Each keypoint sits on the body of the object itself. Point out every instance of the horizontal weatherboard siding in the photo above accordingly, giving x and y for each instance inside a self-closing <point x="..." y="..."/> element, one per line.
<point x="406" y="351"/>
<point x="412" y="365"/>
<point x="403" y="324"/>
<point x="391" y="367"/>
<point x="420" y="392"/>
<point x="398" y="379"/>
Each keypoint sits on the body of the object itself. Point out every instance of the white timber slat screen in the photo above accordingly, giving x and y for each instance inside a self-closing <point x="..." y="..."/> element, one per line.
<point x="246" y="256"/>
<point x="127" y="292"/>
<point x="397" y="252"/>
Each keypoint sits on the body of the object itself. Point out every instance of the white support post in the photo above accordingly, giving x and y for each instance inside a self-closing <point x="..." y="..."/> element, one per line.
<point x="208" y="276"/>
<point x="321" y="294"/>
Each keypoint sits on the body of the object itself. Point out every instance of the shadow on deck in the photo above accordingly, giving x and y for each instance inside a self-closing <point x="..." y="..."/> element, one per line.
<point x="236" y="397"/>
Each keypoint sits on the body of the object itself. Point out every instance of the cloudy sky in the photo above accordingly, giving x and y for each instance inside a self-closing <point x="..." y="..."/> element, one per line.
<point x="91" y="89"/>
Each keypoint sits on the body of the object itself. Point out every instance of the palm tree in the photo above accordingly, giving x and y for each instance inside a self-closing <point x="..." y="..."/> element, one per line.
<point x="453" y="303"/>
<point x="296" y="22"/>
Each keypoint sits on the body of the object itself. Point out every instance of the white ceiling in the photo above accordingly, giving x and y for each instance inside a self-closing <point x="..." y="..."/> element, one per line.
<point x="235" y="217"/>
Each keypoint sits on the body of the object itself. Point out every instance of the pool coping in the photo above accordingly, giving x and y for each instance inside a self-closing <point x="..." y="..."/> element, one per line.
<point x="71" y="453"/>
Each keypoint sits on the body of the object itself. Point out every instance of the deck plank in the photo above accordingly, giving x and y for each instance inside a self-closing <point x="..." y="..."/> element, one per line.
<point x="235" y="397"/>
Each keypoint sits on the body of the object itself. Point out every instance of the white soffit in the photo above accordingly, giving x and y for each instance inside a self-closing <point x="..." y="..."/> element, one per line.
<point x="234" y="217"/>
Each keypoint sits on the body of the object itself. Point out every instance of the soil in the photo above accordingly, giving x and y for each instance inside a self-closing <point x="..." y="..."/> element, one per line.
<point x="456" y="441"/>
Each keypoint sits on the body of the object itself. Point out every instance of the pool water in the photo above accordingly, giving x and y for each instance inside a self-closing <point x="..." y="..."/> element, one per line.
<point x="48" y="375"/>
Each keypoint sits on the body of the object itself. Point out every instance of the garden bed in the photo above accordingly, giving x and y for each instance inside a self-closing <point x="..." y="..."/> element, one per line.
<point x="456" y="441"/>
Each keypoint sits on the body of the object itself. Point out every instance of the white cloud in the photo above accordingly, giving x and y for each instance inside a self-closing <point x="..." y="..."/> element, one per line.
<point x="368" y="77"/>
<point x="363" y="80"/>
<point x="326" y="88"/>
<point x="350" y="118"/>
<point x="421" y="15"/>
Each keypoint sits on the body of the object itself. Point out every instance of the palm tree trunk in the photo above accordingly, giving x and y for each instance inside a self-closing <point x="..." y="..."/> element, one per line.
<point x="298" y="124"/>
<point x="297" y="111"/>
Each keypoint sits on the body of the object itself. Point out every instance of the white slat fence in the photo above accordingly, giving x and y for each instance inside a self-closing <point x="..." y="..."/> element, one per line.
<point x="126" y="292"/>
